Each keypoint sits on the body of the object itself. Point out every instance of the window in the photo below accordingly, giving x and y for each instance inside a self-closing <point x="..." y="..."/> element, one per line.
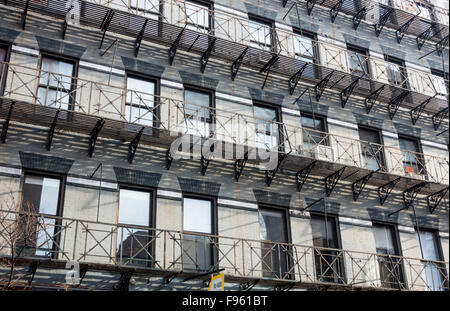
<point x="358" y="63"/>
<point x="198" y="16"/>
<point x="147" y="8"/>
<point x="306" y="50"/>
<point x="140" y="101"/>
<point x="396" y="72"/>
<point x="315" y="137"/>
<point x="267" y="126"/>
<point x="198" y="225"/>
<point x="56" y="82"/>
<point x="440" y="81"/>
<point x="412" y="158"/>
<point x="42" y="195"/>
<point x="371" y="148"/>
<point x="388" y="252"/>
<point x="4" y="51"/>
<point x="198" y="106"/>
<point x="429" y="249"/>
<point x="133" y="243"/>
<point x="328" y="259"/>
<point x="260" y="33"/>
<point x="275" y="256"/>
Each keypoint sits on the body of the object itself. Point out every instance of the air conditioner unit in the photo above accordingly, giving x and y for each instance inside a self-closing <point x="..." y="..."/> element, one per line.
<point x="319" y="152"/>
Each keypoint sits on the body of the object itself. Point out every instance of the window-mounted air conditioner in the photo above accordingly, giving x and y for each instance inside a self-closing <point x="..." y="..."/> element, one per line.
<point x="319" y="152"/>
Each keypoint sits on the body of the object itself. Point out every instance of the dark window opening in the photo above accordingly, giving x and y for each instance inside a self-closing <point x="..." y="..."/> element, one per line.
<point x="4" y="56"/>
<point x="388" y="256"/>
<point x="328" y="256"/>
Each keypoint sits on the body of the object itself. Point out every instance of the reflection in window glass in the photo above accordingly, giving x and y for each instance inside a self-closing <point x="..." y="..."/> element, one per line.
<point x="140" y="101"/>
<point x="197" y="110"/>
<point x="390" y="268"/>
<point x="314" y="134"/>
<point x="434" y="272"/>
<point x="197" y="221"/>
<point x="132" y="242"/>
<point x="197" y="17"/>
<point x="412" y="159"/>
<point x="260" y="34"/>
<point x="371" y="150"/>
<point x="41" y="194"/>
<point x="267" y="129"/>
<point x="328" y="260"/>
<point x="55" y="83"/>
<point x="275" y="256"/>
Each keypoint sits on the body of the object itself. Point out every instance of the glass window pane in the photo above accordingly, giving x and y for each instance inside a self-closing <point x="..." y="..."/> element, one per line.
<point x="324" y="233"/>
<point x="197" y="215"/>
<point x="42" y="194"/>
<point x="56" y="73"/>
<point x="54" y="98"/>
<point x="260" y="34"/>
<point x="267" y="130"/>
<point x="134" y="207"/>
<point x="272" y="225"/>
<point x="384" y="240"/>
<point x="197" y="104"/>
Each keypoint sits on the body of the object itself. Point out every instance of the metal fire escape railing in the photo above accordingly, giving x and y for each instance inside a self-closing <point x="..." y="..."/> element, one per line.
<point x="235" y="41"/>
<point x="406" y="17"/>
<point x="111" y="247"/>
<point x="326" y="54"/>
<point x="33" y="95"/>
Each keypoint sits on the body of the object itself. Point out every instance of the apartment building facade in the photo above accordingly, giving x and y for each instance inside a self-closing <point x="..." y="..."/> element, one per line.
<point x="288" y="144"/>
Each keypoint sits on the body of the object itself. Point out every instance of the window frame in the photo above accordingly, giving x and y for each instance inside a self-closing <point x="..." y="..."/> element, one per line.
<point x="444" y="75"/>
<point x="152" y="214"/>
<point x="420" y="151"/>
<point x="148" y="78"/>
<point x="63" y="58"/>
<point x="4" y="71"/>
<point x="212" y="102"/>
<point x="315" y="117"/>
<point x="214" y="220"/>
<point x="210" y="6"/>
<point x="439" y="249"/>
<point x="267" y="22"/>
<point x="288" y="235"/>
<point x="397" y="245"/>
<point x="363" y="51"/>
<point x="60" y="208"/>
<point x="403" y="71"/>
<point x="316" y="58"/>
<point x="380" y="137"/>
<point x="278" y="111"/>
<point x="337" y="225"/>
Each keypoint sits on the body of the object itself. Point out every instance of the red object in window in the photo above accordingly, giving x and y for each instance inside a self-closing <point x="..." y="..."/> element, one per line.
<point x="410" y="169"/>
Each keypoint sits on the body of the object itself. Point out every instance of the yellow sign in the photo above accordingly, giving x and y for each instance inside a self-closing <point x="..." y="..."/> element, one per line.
<point x="217" y="283"/>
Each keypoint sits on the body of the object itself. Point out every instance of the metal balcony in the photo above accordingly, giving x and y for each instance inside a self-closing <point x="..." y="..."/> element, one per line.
<point x="99" y="110"/>
<point x="231" y="39"/>
<point x="403" y="16"/>
<point x="105" y="251"/>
